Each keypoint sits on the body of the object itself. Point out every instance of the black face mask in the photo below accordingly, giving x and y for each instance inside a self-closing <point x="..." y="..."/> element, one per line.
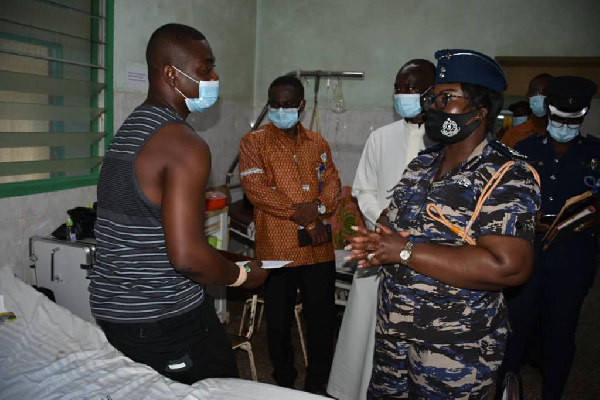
<point x="445" y="128"/>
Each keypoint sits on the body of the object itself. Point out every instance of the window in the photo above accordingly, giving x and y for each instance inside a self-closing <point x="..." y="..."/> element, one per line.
<point x="55" y="93"/>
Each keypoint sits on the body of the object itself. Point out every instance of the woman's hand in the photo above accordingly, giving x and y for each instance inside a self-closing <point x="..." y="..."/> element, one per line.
<point x="372" y="248"/>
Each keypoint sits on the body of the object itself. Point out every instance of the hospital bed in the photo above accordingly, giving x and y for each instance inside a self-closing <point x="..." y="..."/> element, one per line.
<point x="49" y="353"/>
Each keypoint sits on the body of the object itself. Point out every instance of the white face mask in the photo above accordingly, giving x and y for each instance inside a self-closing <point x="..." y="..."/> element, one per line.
<point x="408" y="105"/>
<point x="284" y="118"/>
<point x="536" y="103"/>
<point x="208" y="92"/>
<point x="519" y="120"/>
<point x="562" y="132"/>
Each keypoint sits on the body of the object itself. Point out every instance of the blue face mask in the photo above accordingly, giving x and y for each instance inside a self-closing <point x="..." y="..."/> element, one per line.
<point x="208" y="92"/>
<point x="408" y="105"/>
<point x="284" y="118"/>
<point x="563" y="134"/>
<point x="536" y="103"/>
<point x="519" y="120"/>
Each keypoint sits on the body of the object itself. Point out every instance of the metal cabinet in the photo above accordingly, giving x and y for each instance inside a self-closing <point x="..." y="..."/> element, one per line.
<point x="63" y="267"/>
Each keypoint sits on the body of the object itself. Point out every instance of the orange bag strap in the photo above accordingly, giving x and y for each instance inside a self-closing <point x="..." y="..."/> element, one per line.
<point x="485" y="194"/>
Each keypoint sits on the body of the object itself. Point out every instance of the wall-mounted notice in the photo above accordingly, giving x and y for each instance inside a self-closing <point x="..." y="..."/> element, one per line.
<point x="137" y="77"/>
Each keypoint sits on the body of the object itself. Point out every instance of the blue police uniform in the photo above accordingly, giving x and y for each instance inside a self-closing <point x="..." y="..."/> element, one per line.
<point x="433" y="339"/>
<point x="563" y="273"/>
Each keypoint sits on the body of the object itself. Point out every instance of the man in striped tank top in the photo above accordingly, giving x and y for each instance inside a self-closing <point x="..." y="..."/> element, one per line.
<point x="146" y="291"/>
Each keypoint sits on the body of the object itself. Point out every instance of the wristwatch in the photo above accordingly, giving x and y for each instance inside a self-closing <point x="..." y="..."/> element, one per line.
<point x="321" y="209"/>
<point x="406" y="253"/>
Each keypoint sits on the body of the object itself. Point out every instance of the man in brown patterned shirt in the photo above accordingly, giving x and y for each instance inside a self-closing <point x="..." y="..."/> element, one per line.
<point x="538" y="121"/>
<point x="289" y="176"/>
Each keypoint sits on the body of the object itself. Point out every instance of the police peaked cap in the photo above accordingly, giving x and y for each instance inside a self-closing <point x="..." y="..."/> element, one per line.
<point x="570" y="96"/>
<point x="468" y="66"/>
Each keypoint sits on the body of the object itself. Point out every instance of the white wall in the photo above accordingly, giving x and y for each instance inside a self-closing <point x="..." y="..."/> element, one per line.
<point x="377" y="37"/>
<point x="230" y="28"/>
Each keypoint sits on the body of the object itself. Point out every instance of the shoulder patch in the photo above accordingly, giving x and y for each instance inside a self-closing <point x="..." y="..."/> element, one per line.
<point x="506" y="151"/>
<point x="257" y="131"/>
<point x="432" y="149"/>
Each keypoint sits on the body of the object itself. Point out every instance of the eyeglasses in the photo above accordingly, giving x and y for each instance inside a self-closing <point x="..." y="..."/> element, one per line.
<point x="440" y="100"/>
<point x="558" y="122"/>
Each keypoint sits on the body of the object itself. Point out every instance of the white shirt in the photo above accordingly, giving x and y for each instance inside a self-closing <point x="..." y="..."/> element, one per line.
<point x="387" y="152"/>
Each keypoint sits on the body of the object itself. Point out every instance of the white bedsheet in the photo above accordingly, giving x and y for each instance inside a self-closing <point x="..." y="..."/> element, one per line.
<point x="49" y="353"/>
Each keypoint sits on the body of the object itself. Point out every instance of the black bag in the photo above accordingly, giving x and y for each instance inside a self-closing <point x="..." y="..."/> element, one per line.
<point x="83" y="218"/>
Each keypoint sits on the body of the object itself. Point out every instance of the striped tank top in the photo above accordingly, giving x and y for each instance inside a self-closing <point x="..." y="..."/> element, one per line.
<point x="133" y="280"/>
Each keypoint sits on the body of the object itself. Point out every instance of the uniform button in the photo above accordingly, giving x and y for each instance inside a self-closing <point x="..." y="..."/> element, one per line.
<point x="551" y="198"/>
<point x="553" y="177"/>
<point x="556" y="160"/>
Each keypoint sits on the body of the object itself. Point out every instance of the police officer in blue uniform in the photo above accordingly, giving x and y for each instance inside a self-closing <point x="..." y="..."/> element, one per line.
<point x="568" y="164"/>
<point x="463" y="219"/>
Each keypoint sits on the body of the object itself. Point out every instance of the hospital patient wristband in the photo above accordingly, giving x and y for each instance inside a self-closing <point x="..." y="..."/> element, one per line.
<point x="242" y="276"/>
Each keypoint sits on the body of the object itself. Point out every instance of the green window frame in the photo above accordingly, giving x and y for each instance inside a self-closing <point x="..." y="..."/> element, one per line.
<point x="99" y="112"/>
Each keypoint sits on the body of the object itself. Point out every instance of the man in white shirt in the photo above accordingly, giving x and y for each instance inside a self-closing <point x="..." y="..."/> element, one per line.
<point x="387" y="152"/>
<point x="390" y="148"/>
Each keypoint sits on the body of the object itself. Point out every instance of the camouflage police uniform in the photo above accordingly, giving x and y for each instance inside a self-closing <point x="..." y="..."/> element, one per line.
<point x="434" y="340"/>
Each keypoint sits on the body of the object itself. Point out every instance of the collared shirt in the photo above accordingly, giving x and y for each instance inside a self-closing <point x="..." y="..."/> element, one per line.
<point x="278" y="172"/>
<point x="418" y="307"/>
<point x="519" y="132"/>
<point x="387" y="152"/>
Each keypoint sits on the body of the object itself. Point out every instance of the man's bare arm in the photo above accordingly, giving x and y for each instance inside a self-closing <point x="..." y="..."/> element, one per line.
<point x="184" y="167"/>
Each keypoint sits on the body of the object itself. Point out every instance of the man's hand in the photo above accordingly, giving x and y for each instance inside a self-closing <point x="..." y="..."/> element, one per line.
<point x="318" y="234"/>
<point x="305" y="213"/>
<point x="256" y="276"/>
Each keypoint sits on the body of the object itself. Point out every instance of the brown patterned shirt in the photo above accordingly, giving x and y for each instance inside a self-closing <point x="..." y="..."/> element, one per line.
<point x="277" y="172"/>
<point x="516" y="133"/>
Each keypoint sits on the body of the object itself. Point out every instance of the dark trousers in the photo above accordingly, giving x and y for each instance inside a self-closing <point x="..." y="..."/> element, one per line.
<point x="552" y="299"/>
<point x="317" y="286"/>
<point x="185" y="348"/>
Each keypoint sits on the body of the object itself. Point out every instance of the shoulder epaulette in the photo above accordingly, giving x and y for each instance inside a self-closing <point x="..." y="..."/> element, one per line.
<point x="507" y="151"/>
<point x="432" y="149"/>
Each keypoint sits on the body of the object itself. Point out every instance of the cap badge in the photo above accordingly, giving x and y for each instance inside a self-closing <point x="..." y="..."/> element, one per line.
<point x="450" y="128"/>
